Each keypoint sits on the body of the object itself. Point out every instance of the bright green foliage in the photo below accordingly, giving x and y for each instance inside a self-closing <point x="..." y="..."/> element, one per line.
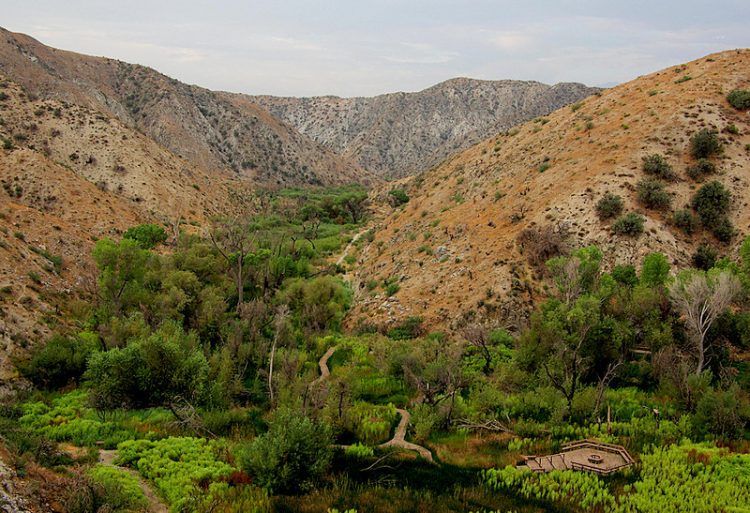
<point x="739" y="99"/>
<point x="147" y="235"/>
<point x="60" y="361"/>
<point x="119" y="490"/>
<point x="705" y="143"/>
<point x="69" y="419"/>
<point x="578" y="491"/>
<point x="359" y="451"/>
<point x="370" y="423"/>
<point x="292" y="456"/>
<point x="175" y="465"/>
<point x="654" y="270"/>
<point x="223" y="498"/>
<point x="630" y="224"/>
<point x="690" y="478"/>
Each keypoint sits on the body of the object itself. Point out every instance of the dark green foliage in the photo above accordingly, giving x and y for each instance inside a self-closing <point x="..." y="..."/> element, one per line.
<point x="59" y="362"/>
<point x="630" y="224"/>
<point x="711" y="202"/>
<point x="656" y="165"/>
<point x="609" y="205"/>
<point x="704" y="257"/>
<point x="625" y="275"/>
<point x="704" y="144"/>
<point x="318" y="304"/>
<point x="652" y="194"/>
<point x="292" y="456"/>
<point x="164" y="368"/>
<point x="24" y="443"/>
<point x="398" y="197"/>
<point x="721" y="413"/>
<point x="686" y="221"/>
<point x="147" y="235"/>
<point x="701" y="169"/>
<point x="409" y="328"/>
<point x="739" y="99"/>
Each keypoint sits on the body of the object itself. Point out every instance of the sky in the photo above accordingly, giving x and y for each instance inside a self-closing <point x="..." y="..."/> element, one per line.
<point x="364" y="48"/>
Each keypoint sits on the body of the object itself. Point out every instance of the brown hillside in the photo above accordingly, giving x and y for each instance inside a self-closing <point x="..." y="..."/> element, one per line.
<point x="452" y="249"/>
<point x="210" y="129"/>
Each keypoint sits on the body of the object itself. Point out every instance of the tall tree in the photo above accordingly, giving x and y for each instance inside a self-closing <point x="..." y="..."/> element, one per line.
<point x="702" y="297"/>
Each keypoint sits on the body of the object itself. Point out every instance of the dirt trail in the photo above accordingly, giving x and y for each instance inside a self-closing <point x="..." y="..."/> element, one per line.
<point x="399" y="437"/>
<point x="155" y="504"/>
<point x="349" y="246"/>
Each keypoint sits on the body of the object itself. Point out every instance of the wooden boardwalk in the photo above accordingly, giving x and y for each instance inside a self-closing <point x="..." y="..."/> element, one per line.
<point x="584" y="455"/>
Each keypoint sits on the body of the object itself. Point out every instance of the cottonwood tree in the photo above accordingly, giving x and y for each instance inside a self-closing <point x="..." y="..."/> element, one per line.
<point x="701" y="297"/>
<point x="235" y="240"/>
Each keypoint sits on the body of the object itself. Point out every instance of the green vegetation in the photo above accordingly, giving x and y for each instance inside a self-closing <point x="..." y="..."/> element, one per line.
<point x="711" y="202"/>
<point x="147" y="235"/>
<point x="704" y="144"/>
<point x="199" y="363"/>
<point x="701" y="169"/>
<point x="630" y="224"/>
<point x="398" y="197"/>
<point x="610" y="205"/>
<point x="656" y="165"/>
<point x="739" y="99"/>
<point x="652" y="194"/>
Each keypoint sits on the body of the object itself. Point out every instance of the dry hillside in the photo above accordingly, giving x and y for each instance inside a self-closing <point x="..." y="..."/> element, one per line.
<point x="401" y="134"/>
<point x="69" y="176"/>
<point x="212" y="130"/>
<point x="452" y="249"/>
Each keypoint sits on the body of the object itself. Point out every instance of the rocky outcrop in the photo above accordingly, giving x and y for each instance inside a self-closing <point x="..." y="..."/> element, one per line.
<point x="10" y="501"/>
<point x="401" y="134"/>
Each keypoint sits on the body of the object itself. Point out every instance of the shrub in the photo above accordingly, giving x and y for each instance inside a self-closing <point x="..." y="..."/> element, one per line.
<point x="657" y="165"/>
<point x="686" y="221"/>
<point x="705" y="143"/>
<point x="409" y="328"/>
<point x="60" y="361"/>
<point x="609" y="205"/>
<point x="398" y="197"/>
<point x="701" y="168"/>
<point x="630" y="224"/>
<point x="540" y="244"/>
<point x="704" y="257"/>
<point x="711" y="202"/>
<point x="739" y="99"/>
<point x="652" y="194"/>
<point x="117" y="489"/>
<point x="724" y="230"/>
<point x="292" y="456"/>
<point x="146" y="235"/>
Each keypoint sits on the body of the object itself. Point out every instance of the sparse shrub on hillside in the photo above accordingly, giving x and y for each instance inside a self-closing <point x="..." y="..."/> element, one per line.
<point x="704" y="257"/>
<point x="711" y="203"/>
<point x="652" y="194"/>
<point x="657" y="165"/>
<point x="409" y="328"/>
<point x="398" y="197"/>
<point x="686" y="221"/>
<point x="631" y="224"/>
<point x="539" y="244"/>
<point x="739" y="99"/>
<point x="7" y="144"/>
<point x="610" y="205"/>
<point x="701" y="168"/>
<point x="705" y="143"/>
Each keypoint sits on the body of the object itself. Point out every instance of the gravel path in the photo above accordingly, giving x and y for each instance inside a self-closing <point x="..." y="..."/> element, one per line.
<point x="349" y="247"/>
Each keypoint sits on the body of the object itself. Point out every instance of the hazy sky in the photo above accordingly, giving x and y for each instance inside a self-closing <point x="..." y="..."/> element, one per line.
<point x="350" y="47"/>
